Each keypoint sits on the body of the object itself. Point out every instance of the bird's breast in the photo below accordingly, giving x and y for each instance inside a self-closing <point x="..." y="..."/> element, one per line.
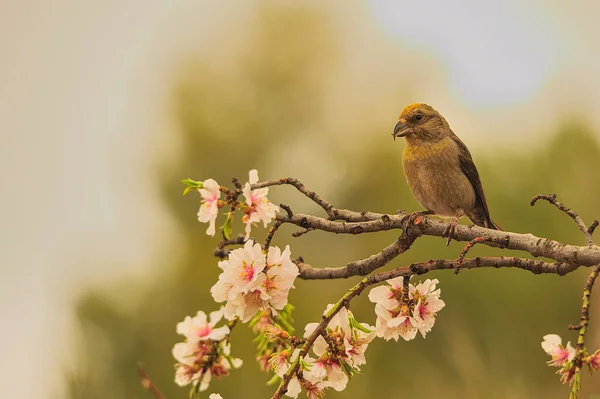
<point x="434" y="176"/>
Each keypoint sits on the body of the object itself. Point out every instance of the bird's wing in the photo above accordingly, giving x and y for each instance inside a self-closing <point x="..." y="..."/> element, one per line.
<point x="468" y="168"/>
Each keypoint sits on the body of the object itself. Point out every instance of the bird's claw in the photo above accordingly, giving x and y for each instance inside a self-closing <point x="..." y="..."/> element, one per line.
<point x="449" y="231"/>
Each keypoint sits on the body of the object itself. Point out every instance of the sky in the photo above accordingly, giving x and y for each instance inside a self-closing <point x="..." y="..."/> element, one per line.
<point x="84" y="113"/>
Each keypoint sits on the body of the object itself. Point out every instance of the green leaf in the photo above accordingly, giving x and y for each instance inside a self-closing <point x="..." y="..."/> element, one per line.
<point x="273" y="380"/>
<point x="356" y="325"/>
<point x="191" y="185"/>
<point x="227" y="226"/>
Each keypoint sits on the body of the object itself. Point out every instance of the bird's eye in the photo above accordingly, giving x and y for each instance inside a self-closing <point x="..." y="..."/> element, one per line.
<point x="418" y="117"/>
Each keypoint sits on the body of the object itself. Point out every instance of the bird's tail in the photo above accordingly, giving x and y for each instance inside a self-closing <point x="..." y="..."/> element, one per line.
<point x="493" y="225"/>
<point x="483" y="220"/>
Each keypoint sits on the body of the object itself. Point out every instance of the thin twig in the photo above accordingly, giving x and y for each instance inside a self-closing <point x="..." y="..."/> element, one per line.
<point x="471" y="244"/>
<point x="466" y="249"/>
<point x="585" y="308"/>
<point x="300" y="233"/>
<point x="300" y="187"/>
<point x="271" y="233"/>
<point x="587" y="232"/>
<point x="148" y="384"/>
<point x="221" y="252"/>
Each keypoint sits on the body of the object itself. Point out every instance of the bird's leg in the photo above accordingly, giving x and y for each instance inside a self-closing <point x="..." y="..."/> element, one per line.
<point x="449" y="232"/>
<point x="412" y="217"/>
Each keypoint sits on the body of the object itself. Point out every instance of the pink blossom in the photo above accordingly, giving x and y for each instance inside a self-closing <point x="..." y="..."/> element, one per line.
<point x="281" y="274"/>
<point x="388" y="295"/>
<point x="198" y="362"/>
<point x="417" y="313"/>
<point x="199" y="328"/>
<point x="350" y="345"/>
<point x="279" y="362"/>
<point x="594" y="360"/>
<point x="567" y="374"/>
<point x="251" y="282"/>
<point x="312" y="377"/>
<point x="204" y="353"/>
<point x="425" y="312"/>
<point x="552" y="345"/>
<point x="259" y="208"/>
<point x="243" y="268"/>
<point x="209" y="208"/>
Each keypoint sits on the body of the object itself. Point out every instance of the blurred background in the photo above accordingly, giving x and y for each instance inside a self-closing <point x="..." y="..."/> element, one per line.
<point x="105" y="107"/>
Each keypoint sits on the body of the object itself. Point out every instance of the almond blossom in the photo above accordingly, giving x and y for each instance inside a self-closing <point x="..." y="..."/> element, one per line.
<point x="391" y="325"/>
<point x="281" y="274"/>
<point x="312" y="380"/>
<point x="428" y="304"/>
<point x="259" y="208"/>
<point x="343" y="349"/>
<point x="594" y="360"/>
<point x="199" y="328"/>
<point x="215" y="396"/>
<point x="251" y="281"/>
<point x="552" y="345"/>
<point x="209" y="208"/>
<point x="204" y="353"/>
<point x="397" y="318"/>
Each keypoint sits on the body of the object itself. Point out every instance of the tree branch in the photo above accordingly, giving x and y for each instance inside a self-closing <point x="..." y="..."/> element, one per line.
<point x="308" y="272"/>
<point x="221" y="251"/>
<point x="587" y="232"/>
<point x="361" y="267"/>
<point x="585" y="308"/>
<point x="536" y="246"/>
<point x="147" y="384"/>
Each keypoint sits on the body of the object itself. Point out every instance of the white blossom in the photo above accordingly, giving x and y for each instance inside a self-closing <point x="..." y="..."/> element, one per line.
<point x="251" y="282"/>
<point x="417" y="313"/>
<point x="311" y="374"/>
<point x="209" y="208"/>
<point x="204" y="353"/>
<point x="552" y="345"/>
<point x="259" y="208"/>
<point x="350" y="343"/>
<point x="199" y="328"/>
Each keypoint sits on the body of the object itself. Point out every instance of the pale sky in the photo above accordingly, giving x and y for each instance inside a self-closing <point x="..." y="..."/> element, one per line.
<point x="83" y="109"/>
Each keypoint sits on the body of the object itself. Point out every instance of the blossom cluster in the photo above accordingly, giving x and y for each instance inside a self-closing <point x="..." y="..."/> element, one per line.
<point x="339" y="350"/>
<point x="564" y="358"/>
<point x="404" y="317"/>
<point x="251" y="281"/>
<point x="274" y="334"/>
<point x="256" y="206"/>
<point x="205" y="351"/>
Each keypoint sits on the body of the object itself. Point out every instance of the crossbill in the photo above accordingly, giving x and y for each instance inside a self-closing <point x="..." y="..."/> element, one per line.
<point x="439" y="169"/>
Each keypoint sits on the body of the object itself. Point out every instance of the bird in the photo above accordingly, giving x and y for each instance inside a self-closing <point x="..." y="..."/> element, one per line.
<point x="439" y="168"/>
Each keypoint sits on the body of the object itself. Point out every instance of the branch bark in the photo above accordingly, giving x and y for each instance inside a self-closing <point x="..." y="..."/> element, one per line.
<point x="370" y="222"/>
<point x="148" y="384"/>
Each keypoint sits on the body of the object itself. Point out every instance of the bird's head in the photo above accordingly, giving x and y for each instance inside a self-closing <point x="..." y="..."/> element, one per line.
<point x="420" y="123"/>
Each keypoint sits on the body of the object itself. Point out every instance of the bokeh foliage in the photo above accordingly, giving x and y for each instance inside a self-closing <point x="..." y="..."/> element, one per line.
<point x="266" y="110"/>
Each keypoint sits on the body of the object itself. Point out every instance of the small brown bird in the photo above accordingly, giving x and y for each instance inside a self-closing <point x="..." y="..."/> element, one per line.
<point x="439" y="169"/>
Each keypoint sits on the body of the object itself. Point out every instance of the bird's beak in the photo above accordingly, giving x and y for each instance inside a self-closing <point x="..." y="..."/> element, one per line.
<point x="401" y="130"/>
